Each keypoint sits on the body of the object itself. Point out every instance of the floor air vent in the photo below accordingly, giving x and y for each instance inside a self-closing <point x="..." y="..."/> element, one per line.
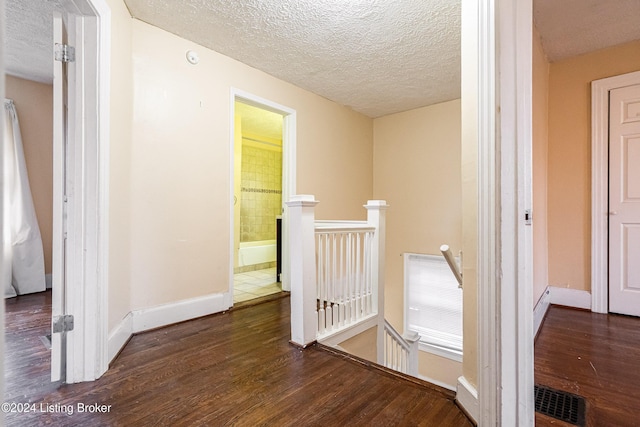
<point x="560" y="405"/>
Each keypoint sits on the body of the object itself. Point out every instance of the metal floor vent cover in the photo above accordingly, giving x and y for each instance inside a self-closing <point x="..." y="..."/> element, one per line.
<point x="560" y="405"/>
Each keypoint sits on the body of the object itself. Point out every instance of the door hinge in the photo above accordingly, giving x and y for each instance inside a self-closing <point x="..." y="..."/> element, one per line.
<point x="528" y="217"/>
<point x="62" y="324"/>
<point x="65" y="53"/>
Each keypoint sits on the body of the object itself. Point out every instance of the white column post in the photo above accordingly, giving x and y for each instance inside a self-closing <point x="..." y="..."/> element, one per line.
<point x="376" y="218"/>
<point x="304" y="321"/>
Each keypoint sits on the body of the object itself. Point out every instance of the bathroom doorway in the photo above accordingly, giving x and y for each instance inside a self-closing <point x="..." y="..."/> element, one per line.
<point x="258" y="200"/>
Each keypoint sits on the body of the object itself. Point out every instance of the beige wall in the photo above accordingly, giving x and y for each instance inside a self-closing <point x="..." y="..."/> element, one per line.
<point x="540" y="106"/>
<point x="569" y="169"/>
<point x="469" y="172"/>
<point x="363" y="345"/>
<point x="34" y="104"/>
<point x="120" y="164"/>
<point x="180" y="163"/>
<point x="417" y="171"/>
<point x="439" y="370"/>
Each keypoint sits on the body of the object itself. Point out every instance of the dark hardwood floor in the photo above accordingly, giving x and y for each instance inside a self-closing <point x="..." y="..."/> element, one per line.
<point x="233" y="368"/>
<point x="596" y="356"/>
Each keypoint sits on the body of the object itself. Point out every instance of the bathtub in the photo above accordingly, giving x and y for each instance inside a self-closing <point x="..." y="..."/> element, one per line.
<point x="257" y="252"/>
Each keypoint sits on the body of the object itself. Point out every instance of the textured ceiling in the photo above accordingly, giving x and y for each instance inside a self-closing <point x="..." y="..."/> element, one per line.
<point x="574" y="27"/>
<point x="376" y="56"/>
<point x="29" y="38"/>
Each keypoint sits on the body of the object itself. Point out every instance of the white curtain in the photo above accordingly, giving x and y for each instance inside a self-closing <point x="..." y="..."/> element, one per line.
<point x="23" y="243"/>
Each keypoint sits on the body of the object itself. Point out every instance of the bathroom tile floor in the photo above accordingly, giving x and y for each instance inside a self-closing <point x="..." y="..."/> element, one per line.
<point x="254" y="284"/>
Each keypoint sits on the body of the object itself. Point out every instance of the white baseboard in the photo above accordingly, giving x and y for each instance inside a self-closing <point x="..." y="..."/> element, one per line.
<point x="120" y="335"/>
<point x="179" y="311"/>
<point x="570" y="297"/>
<point x="164" y="315"/>
<point x="467" y="398"/>
<point x="540" y="310"/>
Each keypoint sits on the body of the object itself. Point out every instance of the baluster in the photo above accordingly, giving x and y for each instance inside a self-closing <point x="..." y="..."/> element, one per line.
<point x="342" y="281"/>
<point x="321" y="317"/>
<point x="366" y="273"/>
<point x="370" y="271"/>
<point x="336" y="307"/>
<point x="327" y="275"/>
<point x="356" y="277"/>
<point x="348" y="281"/>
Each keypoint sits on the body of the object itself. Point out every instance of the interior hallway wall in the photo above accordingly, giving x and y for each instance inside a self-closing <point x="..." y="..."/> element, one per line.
<point x="540" y="158"/>
<point x="569" y="173"/>
<point x="469" y="172"/>
<point x="120" y="130"/>
<point x="180" y="163"/>
<point x="34" y="104"/>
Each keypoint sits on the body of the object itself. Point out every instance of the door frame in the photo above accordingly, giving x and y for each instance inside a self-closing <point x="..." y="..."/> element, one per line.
<point x="505" y="274"/>
<point x="600" y="185"/>
<point x="86" y="293"/>
<point x="288" y="173"/>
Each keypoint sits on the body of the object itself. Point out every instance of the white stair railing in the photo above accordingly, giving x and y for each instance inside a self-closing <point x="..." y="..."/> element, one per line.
<point x="400" y="353"/>
<point x="337" y="272"/>
<point x="344" y="276"/>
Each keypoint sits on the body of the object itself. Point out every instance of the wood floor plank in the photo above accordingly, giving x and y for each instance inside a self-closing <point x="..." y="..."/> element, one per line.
<point x="595" y="356"/>
<point x="234" y="368"/>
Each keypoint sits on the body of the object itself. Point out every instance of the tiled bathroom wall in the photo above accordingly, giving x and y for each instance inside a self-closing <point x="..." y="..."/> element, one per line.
<point x="261" y="193"/>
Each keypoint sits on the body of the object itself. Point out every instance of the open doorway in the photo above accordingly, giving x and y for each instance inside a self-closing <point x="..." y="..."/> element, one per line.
<point x="263" y="178"/>
<point x="257" y="202"/>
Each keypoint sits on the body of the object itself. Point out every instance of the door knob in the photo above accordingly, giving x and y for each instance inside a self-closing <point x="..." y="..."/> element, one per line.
<point x="613" y="213"/>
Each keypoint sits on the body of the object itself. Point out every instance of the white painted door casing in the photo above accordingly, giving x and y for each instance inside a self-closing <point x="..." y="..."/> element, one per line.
<point x="59" y="185"/>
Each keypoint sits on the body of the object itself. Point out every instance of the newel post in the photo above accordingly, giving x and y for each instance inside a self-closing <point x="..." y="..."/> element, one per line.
<point x="376" y="212"/>
<point x="302" y="250"/>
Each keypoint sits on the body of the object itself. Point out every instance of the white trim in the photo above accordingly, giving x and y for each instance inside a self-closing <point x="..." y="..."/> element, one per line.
<point x="600" y="185"/>
<point x="289" y="143"/>
<point x="103" y="28"/>
<point x="178" y="311"/>
<point x="163" y="315"/>
<point x="570" y="297"/>
<point x="120" y="335"/>
<point x="335" y="338"/>
<point x="48" y="278"/>
<point x="4" y="210"/>
<point x="447" y="353"/>
<point x="515" y="283"/>
<point x="486" y="410"/>
<point x="505" y="317"/>
<point x="467" y="398"/>
<point x="540" y="310"/>
<point x="85" y="292"/>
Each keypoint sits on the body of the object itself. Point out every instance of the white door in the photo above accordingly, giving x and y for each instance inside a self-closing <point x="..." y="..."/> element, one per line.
<point x="624" y="200"/>
<point x="59" y="253"/>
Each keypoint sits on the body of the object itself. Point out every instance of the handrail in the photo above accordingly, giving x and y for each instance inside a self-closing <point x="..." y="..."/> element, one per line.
<point x="323" y="226"/>
<point x="453" y="265"/>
